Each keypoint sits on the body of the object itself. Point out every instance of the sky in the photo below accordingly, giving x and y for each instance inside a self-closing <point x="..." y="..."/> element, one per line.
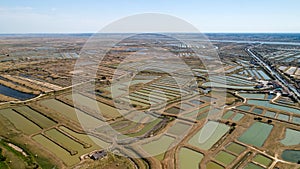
<point x="90" y="16"/>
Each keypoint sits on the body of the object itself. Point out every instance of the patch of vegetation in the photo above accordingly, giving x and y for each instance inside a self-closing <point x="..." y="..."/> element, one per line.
<point x="44" y="163"/>
<point x="111" y="161"/>
<point x="3" y="164"/>
<point x="2" y="158"/>
<point x="30" y="161"/>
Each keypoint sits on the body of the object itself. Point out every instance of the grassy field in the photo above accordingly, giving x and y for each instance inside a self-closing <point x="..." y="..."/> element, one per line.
<point x="38" y="118"/>
<point x="261" y="159"/>
<point x="57" y="150"/>
<point x="70" y="113"/>
<point x="14" y="159"/>
<point x="146" y="128"/>
<point x="95" y="142"/>
<point x="235" y="148"/>
<point x="225" y="158"/>
<point x="106" y="110"/>
<point x="189" y="158"/>
<point x="20" y="122"/>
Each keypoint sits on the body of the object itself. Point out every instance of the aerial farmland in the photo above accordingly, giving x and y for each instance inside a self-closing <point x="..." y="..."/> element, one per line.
<point x="141" y="110"/>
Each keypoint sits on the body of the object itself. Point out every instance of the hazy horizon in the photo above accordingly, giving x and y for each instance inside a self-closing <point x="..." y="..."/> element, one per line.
<point x="228" y="16"/>
<point x="78" y="33"/>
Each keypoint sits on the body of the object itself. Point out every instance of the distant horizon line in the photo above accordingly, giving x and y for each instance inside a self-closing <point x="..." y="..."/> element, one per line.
<point x="68" y="33"/>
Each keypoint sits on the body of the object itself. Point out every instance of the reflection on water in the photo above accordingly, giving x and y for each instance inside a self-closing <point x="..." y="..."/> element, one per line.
<point x="15" y="93"/>
<point x="291" y="155"/>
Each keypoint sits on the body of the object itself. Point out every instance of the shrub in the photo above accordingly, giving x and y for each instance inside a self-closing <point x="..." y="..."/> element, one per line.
<point x="2" y="158"/>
